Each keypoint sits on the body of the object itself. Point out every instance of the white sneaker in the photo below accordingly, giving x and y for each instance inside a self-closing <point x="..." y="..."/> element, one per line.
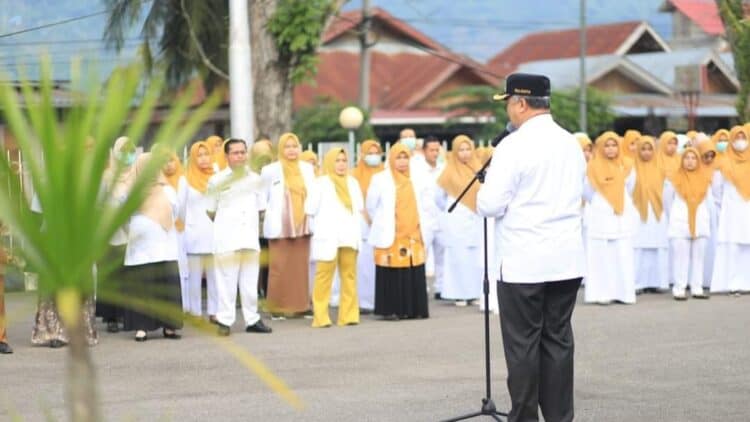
<point x="461" y="303"/>
<point x="679" y="295"/>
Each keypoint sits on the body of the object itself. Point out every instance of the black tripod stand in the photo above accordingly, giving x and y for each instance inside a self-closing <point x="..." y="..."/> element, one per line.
<point x="488" y="406"/>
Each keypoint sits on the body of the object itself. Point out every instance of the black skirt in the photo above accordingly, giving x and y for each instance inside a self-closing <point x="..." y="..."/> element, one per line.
<point x="401" y="292"/>
<point x="114" y="262"/>
<point x="160" y="282"/>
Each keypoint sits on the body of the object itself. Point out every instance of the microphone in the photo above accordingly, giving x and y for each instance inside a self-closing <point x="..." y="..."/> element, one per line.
<point x="509" y="128"/>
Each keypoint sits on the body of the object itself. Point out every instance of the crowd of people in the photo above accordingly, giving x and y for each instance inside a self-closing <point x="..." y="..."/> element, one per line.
<point x="296" y="235"/>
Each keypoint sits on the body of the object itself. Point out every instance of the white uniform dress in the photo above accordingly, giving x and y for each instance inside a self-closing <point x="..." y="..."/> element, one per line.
<point x="609" y="254"/>
<point x="461" y="233"/>
<point x="651" y="252"/>
<point x="731" y="271"/>
<point x="687" y="252"/>
<point x="237" y="204"/>
<point x="198" y="241"/>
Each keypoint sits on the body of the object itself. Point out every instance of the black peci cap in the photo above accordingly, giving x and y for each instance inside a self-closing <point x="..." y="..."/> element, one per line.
<point x="524" y="84"/>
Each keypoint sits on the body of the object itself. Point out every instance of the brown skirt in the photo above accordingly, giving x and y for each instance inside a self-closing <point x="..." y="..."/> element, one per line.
<point x="288" y="275"/>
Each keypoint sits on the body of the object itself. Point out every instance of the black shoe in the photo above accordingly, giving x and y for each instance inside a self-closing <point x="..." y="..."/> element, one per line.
<point x="56" y="344"/>
<point x="5" y="349"/>
<point x="171" y="334"/>
<point x="113" y="327"/>
<point x="224" y="330"/>
<point x="258" y="327"/>
<point x="438" y="296"/>
<point x="391" y="318"/>
<point x="365" y="311"/>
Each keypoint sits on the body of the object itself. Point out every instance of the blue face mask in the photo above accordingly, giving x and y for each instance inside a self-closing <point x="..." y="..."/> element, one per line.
<point x="721" y="146"/>
<point x="127" y="159"/>
<point x="372" y="160"/>
<point x="410" y="143"/>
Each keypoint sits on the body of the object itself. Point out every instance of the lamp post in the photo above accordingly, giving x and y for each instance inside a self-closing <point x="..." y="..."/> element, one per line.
<point x="351" y="119"/>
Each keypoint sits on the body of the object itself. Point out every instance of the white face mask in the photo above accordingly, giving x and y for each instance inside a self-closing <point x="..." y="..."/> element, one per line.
<point x="410" y="143"/>
<point x="740" y="145"/>
<point x="372" y="160"/>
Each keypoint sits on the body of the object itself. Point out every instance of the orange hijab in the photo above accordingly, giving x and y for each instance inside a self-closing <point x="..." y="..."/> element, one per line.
<point x="649" y="184"/>
<point x="704" y="148"/>
<point x="407" y="214"/>
<point x="607" y="176"/>
<point x="583" y="140"/>
<point x="736" y="165"/>
<point x="156" y="205"/>
<point x="692" y="186"/>
<point x="363" y="173"/>
<point x="630" y="138"/>
<point x="719" y="135"/>
<point x="667" y="163"/>
<point x="197" y="177"/>
<point x="219" y="158"/>
<point x="457" y="175"/>
<point x="340" y="183"/>
<point x="261" y="154"/>
<point x="174" y="178"/>
<point x="311" y="157"/>
<point x="293" y="180"/>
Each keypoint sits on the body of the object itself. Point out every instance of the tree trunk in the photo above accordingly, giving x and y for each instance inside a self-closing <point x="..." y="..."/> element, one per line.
<point x="82" y="396"/>
<point x="272" y="85"/>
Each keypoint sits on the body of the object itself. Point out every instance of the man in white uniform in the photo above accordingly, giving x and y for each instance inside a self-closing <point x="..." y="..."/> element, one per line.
<point x="236" y="199"/>
<point x="433" y="168"/>
<point x="534" y="188"/>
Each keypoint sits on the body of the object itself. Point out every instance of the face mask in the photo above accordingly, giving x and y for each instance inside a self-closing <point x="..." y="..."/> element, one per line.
<point x="410" y="143"/>
<point x="440" y="160"/>
<point x="127" y="159"/>
<point x="372" y="160"/>
<point x="721" y="146"/>
<point x="740" y="145"/>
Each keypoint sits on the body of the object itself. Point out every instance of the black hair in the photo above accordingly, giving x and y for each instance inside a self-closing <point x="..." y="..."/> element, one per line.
<point x="430" y="139"/>
<point x="232" y="141"/>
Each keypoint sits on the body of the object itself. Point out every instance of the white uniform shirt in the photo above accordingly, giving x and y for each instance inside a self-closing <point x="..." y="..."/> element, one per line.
<point x="734" y="224"/>
<point x="198" y="237"/>
<point x="679" y="226"/>
<point x="335" y="226"/>
<point x="148" y="242"/>
<point x="535" y="186"/>
<point x="236" y="204"/>
<point x="603" y="223"/>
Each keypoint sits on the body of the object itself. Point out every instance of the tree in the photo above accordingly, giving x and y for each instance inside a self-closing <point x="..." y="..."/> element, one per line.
<point x="599" y="113"/>
<point x="734" y="14"/>
<point x="477" y="101"/>
<point x="193" y="40"/>
<point x="320" y="123"/>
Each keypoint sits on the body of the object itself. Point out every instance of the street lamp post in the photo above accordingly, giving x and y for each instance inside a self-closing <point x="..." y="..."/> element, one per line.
<point x="351" y="119"/>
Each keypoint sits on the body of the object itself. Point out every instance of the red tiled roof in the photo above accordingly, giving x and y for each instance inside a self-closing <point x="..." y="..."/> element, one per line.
<point x="397" y="81"/>
<point x="703" y="13"/>
<point x="348" y="21"/>
<point x="600" y="39"/>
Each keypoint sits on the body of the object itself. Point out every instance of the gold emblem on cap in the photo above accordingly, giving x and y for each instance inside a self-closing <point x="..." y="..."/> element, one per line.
<point x="521" y="91"/>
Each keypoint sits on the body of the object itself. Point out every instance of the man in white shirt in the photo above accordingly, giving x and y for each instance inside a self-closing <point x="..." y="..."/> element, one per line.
<point x="432" y="168"/>
<point x="236" y="199"/>
<point x="534" y="189"/>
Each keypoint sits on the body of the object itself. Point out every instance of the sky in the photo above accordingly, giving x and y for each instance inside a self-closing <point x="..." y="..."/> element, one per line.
<point x="477" y="28"/>
<point x="483" y="28"/>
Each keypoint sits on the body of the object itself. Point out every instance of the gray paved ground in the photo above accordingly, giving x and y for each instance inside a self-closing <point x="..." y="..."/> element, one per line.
<point x="656" y="361"/>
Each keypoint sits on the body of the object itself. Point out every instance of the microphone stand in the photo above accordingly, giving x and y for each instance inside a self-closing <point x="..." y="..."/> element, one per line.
<point x="488" y="406"/>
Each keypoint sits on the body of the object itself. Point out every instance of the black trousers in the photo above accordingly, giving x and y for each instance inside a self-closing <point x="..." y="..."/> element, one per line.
<point x="538" y="344"/>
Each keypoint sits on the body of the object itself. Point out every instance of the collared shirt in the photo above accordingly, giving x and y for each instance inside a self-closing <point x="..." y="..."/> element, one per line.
<point x="534" y="188"/>
<point x="236" y="200"/>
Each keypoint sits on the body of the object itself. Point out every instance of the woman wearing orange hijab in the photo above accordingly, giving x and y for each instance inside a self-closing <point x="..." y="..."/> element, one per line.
<point x="650" y="243"/>
<point x="287" y="228"/>
<point x="336" y="204"/>
<point x="689" y="202"/>
<point x="732" y="191"/>
<point x="370" y="162"/>
<point x="586" y="145"/>
<point x="612" y="220"/>
<point x="710" y="165"/>
<point x="312" y="158"/>
<point x="217" y="152"/>
<point x="667" y="157"/>
<point x="460" y="231"/>
<point x="199" y="230"/>
<point x="629" y="144"/>
<point x="401" y="227"/>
